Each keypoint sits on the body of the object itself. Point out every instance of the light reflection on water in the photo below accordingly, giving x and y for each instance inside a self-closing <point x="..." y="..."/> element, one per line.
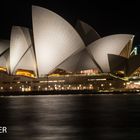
<point x="72" y="117"/>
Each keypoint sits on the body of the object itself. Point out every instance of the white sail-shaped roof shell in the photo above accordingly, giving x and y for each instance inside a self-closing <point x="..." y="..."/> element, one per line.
<point x="20" y="45"/>
<point x="4" y="45"/>
<point x="27" y="62"/>
<point x="6" y="57"/>
<point x="3" y="61"/>
<point x="87" y="32"/>
<point x="113" y="44"/>
<point x="4" y="49"/>
<point x="55" y="39"/>
<point x="79" y="61"/>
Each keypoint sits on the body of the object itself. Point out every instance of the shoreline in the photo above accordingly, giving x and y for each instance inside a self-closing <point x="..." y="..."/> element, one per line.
<point x="68" y="92"/>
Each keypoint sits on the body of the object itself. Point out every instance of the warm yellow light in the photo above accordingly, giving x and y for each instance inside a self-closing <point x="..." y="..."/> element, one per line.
<point x="110" y="84"/>
<point x="3" y="69"/>
<point x="102" y="85"/>
<point x="121" y="72"/>
<point x="25" y="73"/>
<point x="90" y="71"/>
<point x="54" y="75"/>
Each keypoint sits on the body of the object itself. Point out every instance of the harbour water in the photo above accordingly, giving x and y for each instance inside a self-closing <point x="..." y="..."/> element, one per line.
<point x="71" y="117"/>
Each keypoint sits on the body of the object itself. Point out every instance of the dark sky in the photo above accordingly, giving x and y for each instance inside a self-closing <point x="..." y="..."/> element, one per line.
<point x="108" y="17"/>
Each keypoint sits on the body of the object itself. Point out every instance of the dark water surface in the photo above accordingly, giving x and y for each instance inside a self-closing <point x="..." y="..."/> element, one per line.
<point x="71" y="117"/>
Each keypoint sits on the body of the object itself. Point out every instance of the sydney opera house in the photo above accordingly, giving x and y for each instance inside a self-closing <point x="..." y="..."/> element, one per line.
<point x="53" y="55"/>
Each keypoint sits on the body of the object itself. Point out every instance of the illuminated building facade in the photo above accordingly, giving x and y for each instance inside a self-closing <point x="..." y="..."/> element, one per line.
<point x="56" y="56"/>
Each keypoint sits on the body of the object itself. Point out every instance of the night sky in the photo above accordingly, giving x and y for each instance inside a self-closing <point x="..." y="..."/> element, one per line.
<point x="108" y="17"/>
